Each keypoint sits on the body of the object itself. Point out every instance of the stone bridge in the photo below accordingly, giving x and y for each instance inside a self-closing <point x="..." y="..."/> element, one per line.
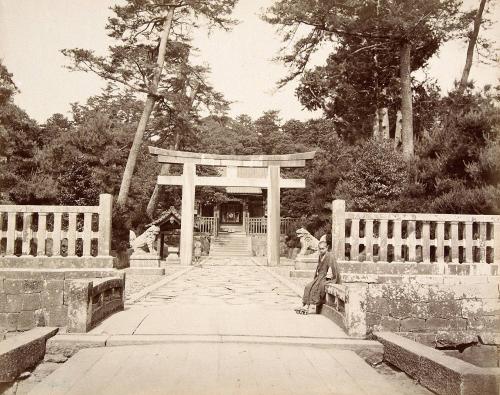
<point x="226" y="327"/>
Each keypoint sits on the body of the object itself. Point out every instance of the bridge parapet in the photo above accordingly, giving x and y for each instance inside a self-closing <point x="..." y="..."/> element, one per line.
<point x="36" y="236"/>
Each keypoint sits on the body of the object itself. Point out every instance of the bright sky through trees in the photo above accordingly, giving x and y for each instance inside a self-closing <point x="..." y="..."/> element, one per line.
<point x="32" y="33"/>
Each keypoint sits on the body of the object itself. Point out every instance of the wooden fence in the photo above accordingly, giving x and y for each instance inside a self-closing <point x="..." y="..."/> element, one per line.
<point x="427" y="238"/>
<point x="258" y="225"/>
<point x="209" y="225"/>
<point x="56" y="231"/>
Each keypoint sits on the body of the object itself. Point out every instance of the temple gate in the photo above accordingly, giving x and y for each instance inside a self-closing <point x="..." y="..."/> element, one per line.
<point x="189" y="180"/>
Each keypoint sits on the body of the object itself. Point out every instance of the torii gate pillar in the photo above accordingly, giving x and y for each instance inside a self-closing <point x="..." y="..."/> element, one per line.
<point x="187" y="215"/>
<point x="273" y="216"/>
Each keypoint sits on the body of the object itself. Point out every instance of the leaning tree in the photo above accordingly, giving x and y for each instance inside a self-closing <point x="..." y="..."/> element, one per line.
<point x="151" y="37"/>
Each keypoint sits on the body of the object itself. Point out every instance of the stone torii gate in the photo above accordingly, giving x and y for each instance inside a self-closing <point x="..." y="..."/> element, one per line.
<point x="189" y="180"/>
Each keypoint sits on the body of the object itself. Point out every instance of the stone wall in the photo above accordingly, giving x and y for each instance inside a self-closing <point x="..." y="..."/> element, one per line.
<point x="420" y="307"/>
<point x="30" y="297"/>
<point x="423" y="304"/>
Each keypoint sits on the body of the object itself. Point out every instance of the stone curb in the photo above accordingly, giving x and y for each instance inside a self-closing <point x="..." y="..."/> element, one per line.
<point x="67" y="345"/>
<point x="23" y="351"/>
<point x="294" y="287"/>
<point x="435" y="370"/>
<point x="145" y="271"/>
<point x="141" y="294"/>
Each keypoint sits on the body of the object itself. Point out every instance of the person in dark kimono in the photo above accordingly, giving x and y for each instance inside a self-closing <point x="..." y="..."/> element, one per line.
<point x="314" y="292"/>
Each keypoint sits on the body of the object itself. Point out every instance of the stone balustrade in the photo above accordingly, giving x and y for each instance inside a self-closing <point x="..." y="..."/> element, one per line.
<point x="56" y="236"/>
<point x="410" y="237"/>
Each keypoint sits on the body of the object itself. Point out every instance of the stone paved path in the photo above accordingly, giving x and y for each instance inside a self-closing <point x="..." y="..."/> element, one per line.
<point x="230" y="329"/>
<point x="223" y="297"/>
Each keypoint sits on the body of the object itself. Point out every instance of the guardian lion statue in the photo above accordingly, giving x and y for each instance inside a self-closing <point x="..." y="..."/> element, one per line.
<point x="308" y="243"/>
<point x="147" y="239"/>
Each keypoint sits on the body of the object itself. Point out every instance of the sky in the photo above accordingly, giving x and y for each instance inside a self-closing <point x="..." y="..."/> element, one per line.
<point x="32" y="33"/>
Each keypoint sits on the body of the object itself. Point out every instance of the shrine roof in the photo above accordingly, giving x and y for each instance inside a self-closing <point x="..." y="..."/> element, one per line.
<point x="171" y="215"/>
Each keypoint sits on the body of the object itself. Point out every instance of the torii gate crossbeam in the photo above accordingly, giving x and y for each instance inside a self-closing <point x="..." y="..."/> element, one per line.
<point x="189" y="180"/>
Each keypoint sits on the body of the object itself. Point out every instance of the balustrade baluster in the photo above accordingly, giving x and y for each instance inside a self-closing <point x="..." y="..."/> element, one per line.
<point x="354" y="239"/>
<point x="411" y="241"/>
<point x="468" y="246"/>
<point x="56" y="234"/>
<point x="482" y="242"/>
<point x="87" y="229"/>
<point x="426" y="240"/>
<point x="454" y="242"/>
<point x="41" y="234"/>
<point x="396" y="236"/>
<point x="440" y="242"/>
<point x="369" y="239"/>
<point x="382" y="235"/>
<point x="496" y="239"/>
<point x="27" y="233"/>
<point x="72" y="234"/>
<point x="11" y="233"/>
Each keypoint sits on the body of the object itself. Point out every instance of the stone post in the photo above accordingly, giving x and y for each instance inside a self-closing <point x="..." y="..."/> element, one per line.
<point x="105" y="212"/>
<point x="187" y="215"/>
<point x="496" y="242"/>
<point x="273" y="216"/>
<point x="338" y="229"/>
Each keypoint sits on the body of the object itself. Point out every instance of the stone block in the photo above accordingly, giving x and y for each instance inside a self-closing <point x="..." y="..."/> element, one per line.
<point x="26" y="320"/>
<point x="8" y="321"/>
<point x="400" y="308"/>
<point x="436" y="324"/>
<point x="455" y="338"/>
<point x="22" y="352"/>
<point x="437" y="374"/>
<point x="402" y="354"/>
<point x="427" y="339"/>
<point x="40" y="317"/>
<point x="13" y="286"/>
<point x="419" y="310"/>
<point x="480" y="355"/>
<point x="2" y="289"/>
<point x="56" y="316"/>
<point x="35" y="274"/>
<point x="447" y="308"/>
<point x="74" y="274"/>
<point x="436" y="371"/>
<point x="32" y="286"/>
<point x="53" y="293"/>
<point x="491" y="306"/>
<point x="377" y="305"/>
<point x="14" y="303"/>
<point x="490" y="338"/>
<point x="373" y="321"/>
<point x="79" y="306"/>
<point x="475" y="291"/>
<point x="355" y="309"/>
<point x="471" y="308"/>
<point x="390" y="324"/>
<point x="394" y="279"/>
<point x="31" y="301"/>
<point x="413" y="325"/>
<point x="484" y="323"/>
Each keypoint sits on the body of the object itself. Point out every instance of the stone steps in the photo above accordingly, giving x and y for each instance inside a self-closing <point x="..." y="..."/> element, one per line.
<point x="231" y="244"/>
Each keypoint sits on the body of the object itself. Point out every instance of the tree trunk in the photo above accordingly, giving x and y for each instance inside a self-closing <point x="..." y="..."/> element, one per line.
<point x="406" y="101"/>
<point x="165" y="169"/>
<point x="470" y="48"/>
<point x="148" y="108"/>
